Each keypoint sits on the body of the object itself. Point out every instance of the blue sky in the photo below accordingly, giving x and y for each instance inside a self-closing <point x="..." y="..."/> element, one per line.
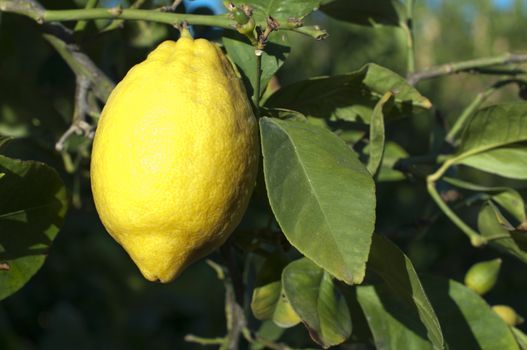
<point x="503" y="4"/>
<point x="500" y="4"/>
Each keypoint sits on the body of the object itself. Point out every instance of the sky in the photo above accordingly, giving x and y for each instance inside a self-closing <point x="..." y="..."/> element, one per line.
<point x="500" y="4"/>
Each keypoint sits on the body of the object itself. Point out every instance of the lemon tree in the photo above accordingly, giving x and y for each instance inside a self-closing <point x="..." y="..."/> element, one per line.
<point x="199" y="155"/>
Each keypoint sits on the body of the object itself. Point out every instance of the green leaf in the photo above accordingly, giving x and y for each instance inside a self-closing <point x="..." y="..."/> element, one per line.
<point x="321" y="195"/>
<point x="512" y="202"/>
<point x="317" y="301"/>
<point x="471" y="186"/>
<point x="508" y="162"/>
<point x="521" y="338"/>
<point x="393" y="323"/>
<point x="269" y="331"/>
<point x="467" y="320"/>
<point x="366" y="13"/>
<point x="268" y="302"/>
<point x="392" y="153"/>
<point x="492" y="128"/>
<point x="511" y="242"/>
<point x="281" y="10"/>
<point x="350" y="97"/>
<point x="506" y="197"/>
<point x="397" y="271"/>
<point x="4" y="140"/>
<point x="376" y="146"/>
<point x="264" y="300"/>
<point x="281" y="113"/>
<point x="243" y="55"/>
<point x="32" y="208"/>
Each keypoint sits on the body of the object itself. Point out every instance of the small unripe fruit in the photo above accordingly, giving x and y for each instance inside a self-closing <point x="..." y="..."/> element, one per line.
<point x="507" y="314"/>
<point x="482" y="277"/>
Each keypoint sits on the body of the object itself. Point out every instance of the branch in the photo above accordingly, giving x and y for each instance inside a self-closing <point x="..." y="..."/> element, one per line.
<point x="407" y="27"/>
<point x="79" y="125"/>
<point x="475" y="238"/>
<point x="35" y="11"/>
<point x="203" y="341"/>
<point x="28" y="8"/>
<point x="463" y="66"/>
<point x="60" y="38"/>
<point x="88" y="75"/>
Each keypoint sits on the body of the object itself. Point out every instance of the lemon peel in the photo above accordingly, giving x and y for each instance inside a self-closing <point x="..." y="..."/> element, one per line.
<point x="175" y="157"/>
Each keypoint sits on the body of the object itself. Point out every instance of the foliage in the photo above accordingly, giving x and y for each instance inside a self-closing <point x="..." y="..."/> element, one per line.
<point x="348" y="156"/>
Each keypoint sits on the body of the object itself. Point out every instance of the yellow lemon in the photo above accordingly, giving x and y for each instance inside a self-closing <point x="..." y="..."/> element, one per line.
<point x="175" y="157"/>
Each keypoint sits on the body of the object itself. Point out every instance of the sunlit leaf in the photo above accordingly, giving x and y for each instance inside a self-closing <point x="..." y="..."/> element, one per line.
<point x="321" y="194"/>
<point x="350" y="97"/>
<point x="521" y="338"/>
<point x="281" y="10"/>
<point x="508" y="162"/>
<point x="490" y="129"/>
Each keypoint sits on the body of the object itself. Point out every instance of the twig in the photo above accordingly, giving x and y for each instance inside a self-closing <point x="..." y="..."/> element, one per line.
<point x="204" y="341"/>
<point x="236" y="321"/>
<point x="257" y="87"/>
<point x="88" y="75"/>
<point x="81" y="25"/>
<point x="234" y="272"/>
<point x="475" y="238"/>
<point x="60" y="38"/>
<point x="163" y="15"/>
<point x="463" y="66"/>
<point x="498" y="71"/>
<point x="172" y="7"/>
<point x="41" y="15"/>
<point x="118" y="23"/>
<point x="407" y="26"/>
<point x="78" y="126"/>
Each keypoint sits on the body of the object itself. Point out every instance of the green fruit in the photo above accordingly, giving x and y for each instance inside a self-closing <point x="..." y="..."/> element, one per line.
<point x="507" y="314"/>
<point x="482" y="277"/>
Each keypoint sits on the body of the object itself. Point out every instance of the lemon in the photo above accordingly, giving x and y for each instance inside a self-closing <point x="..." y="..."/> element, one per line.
<point x="175" y="157"/>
